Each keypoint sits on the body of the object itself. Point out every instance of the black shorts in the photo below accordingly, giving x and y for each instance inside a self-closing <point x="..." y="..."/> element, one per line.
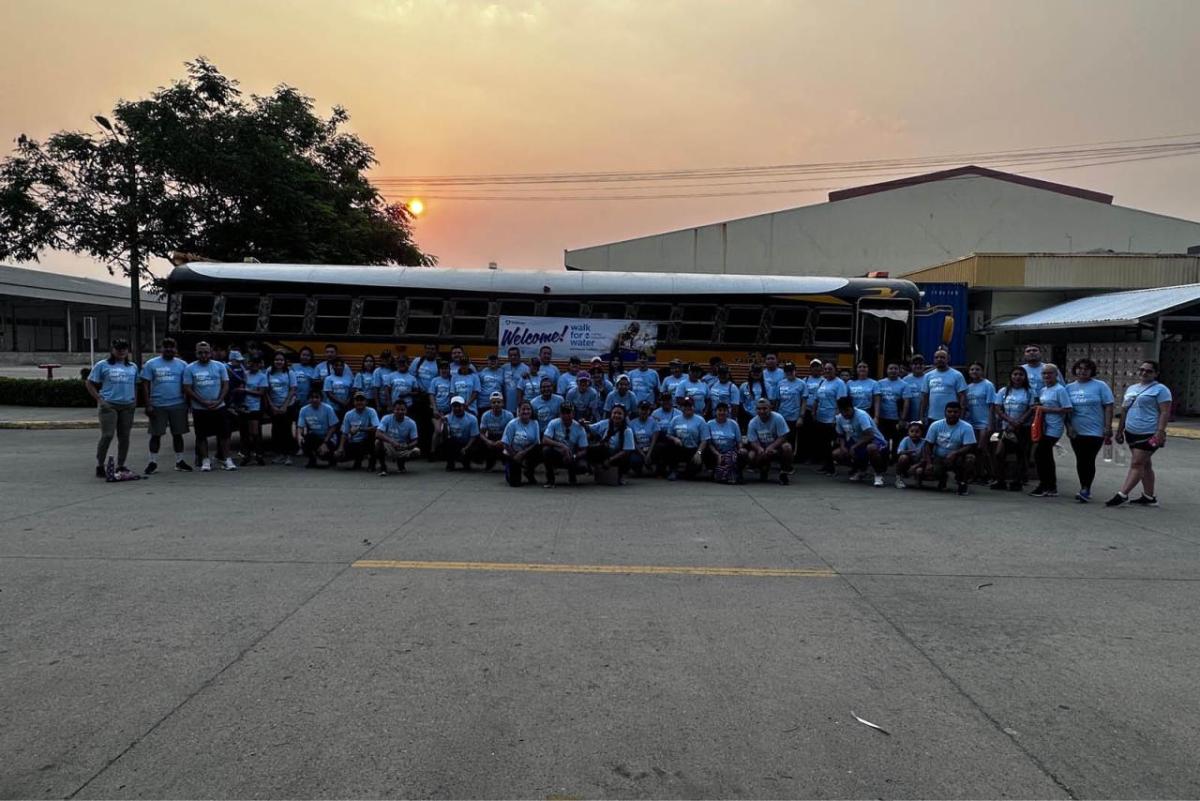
<point x="1141" y="442"/>
<point x="211" y="422"/>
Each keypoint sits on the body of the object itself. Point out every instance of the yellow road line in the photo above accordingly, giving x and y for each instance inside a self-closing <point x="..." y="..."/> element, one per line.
<point x="654" y="570"/>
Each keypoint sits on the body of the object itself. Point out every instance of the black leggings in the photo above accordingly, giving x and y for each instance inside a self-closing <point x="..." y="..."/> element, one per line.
<point x="1086" y="449"/>
<point x="1043" y="459"/>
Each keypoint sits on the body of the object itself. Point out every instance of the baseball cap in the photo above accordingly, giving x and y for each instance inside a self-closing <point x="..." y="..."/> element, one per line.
<point x="457" y="399"/>
<point x="235" y="356"/>
<point x="496" y="396"/>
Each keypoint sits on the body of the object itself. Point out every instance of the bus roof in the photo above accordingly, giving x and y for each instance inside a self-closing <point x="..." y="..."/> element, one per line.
<point x="517" y="282"/>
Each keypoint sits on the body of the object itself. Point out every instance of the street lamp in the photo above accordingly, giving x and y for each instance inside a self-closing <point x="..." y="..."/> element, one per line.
<point x="135" y="257"/>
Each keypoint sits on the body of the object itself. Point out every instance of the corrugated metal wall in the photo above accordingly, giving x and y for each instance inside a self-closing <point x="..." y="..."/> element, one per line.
<point x="1125" y="272"/>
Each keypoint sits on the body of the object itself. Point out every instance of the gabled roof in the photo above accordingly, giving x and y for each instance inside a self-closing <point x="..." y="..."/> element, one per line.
<point x="1106" y="311"/>
<point x="26" y="283"/>
<point x="970" y="170"/>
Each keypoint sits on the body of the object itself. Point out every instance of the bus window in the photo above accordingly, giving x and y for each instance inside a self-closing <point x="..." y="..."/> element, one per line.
<point x="562" y="308"/>
<point x="833" y="328"/>
<point x="424" y="317"/>
<point x="469" y="318"/>
<point x="287" y="314"/>
<point x="241" y="314"/>
<point x="196" y="313"/>
<point x="741" y="325"/>
<point x="518" y="308"/>
<point x="378" y="317"/>
<point x="654" y="312"/>
<point x="696" y="323"/>
<point x="789" y="326"/>
<point x="608" y="310"/>
<point x="333" y="316"/>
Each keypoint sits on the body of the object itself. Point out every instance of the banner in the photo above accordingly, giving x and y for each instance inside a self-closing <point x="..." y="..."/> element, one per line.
<point x="572" y="336"/>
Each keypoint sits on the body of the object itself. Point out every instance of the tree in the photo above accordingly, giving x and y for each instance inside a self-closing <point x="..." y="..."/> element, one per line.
<point x="199" y="167"/>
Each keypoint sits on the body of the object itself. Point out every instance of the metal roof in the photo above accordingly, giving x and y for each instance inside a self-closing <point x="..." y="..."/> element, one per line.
<point x="26" y="283"/>
<point x="1101" y="311"/>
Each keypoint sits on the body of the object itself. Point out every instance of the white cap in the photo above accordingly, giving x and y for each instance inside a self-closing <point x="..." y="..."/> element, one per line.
<point x="493" y="396"/>
<point x="457" y="399"/>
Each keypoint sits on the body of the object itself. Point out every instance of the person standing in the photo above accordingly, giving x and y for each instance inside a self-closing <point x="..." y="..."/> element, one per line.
<point x="1014" y="414"/>
<point x="338" y="386"/>
<point x="400" y="385"/>
<point x="548" y="370"/>
<point x="491" y="379"/>
<point x="162" y="384"/>
<point x="569" y="378"/>
<point x="673" y="378"/>
<point x="824" y="401"/>
<point x="693" y="388"/>
<point x="546" y="405"/>
<point x="465" y="383"/>
<point x="891" y="407"/>
<point x="1091" y="423"/>
<point x="584" y="398"/>
<point x="621" y="396"/>
<point x="806" y="448"/>
<point x="864" y="390"/>
<point x="941" y="385"/>
<point x="1054" y="404"/>
<point x="522" y="446"/>
<point x="1146" y="410"/>
<point x="364" y="379"/>
<point x="514" y="373"/>
<point x="255" y="387"/>
<point x="281" y="396"/>
<point x="1033" y="367"/>
<point x="772" y="375"/>
<point x="396" y="439"/>
<point x="980" y="400"/>
<point x="644" y="382"/>
<point x="425" y="369"/>
<point x="205" y="384"/>
<point x="113" y="384"/>
<point x="753" y="390"/>
<point x="789" y="396"/>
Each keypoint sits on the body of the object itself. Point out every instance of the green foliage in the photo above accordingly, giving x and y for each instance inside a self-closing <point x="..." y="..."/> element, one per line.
<point x="40" y="392"/>
<point x="199" y="167"/>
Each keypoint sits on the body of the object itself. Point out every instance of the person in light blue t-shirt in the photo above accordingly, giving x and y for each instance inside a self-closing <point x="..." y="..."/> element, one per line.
<point x="440" y="391"/>
<point x="645" y="434"/>
<point x="492" y="425"/>
<point x="724" y="454"/>
<point x="823" y="402"/>
<point x="1054" y="404"/>
<point x="622" y="395"/>
<point x="564" y="444"/>
<point x="206" y="384"/>
<point x="644" y="382"/>
<point x="789" y="396"/>
<point x="166" y="407"/>
<point x="338" y="385"/>
<point x="584" y="398"/>
<point x="723" y="390"/>
<point x="1013" y="415"/>
<point x="693" y="387"/>
<point x="364" y="379"/>
<point x="113" y="383"/>
<point x="1147" y="408"/>
<point x="465" y="384"/>
<point x="458" y="436"/>
<point x="400" y="385"/>
<point x="318" y="430"/>
<point x="254" y="390"/>
<point x="950" y="446"/>
<point x="910" y="454"/>
<point x="864" y="390"/>
<point x="396" y="439"/>
<point x="358" y="433"/>
<point x="674" y="376"/>
<point x="514" y="372"/>
<point x="891" y="399"/>
<point x="522" y="446"/>
<point x="1090" y="423"/>
<point x="613" y="446"/>
<point x="491" y="379"/>
<point x="861" y="443"/>
<point x="683" y="441"/>
<point x="767" y="441"/>
<point x="546" y="405"/>
<point x="941" y="385"/>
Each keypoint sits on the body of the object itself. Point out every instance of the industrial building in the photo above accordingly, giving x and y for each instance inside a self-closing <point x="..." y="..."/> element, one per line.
<point x="45" y="316"/>
<point x="901" y="226"/>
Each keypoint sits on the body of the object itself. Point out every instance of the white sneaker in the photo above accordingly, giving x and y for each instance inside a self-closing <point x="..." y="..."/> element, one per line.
<point x="900" y="483"/>
<point x="878" y="480"/>
<point x="229" y="465"/>
<point x="856" y="476"/>
<point x="287" y="460"/>
<point x="206" y="466"/>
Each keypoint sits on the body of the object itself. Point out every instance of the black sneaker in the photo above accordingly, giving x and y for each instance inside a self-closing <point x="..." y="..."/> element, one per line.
<point x="941" y="485"/>
<point x="183" y="467"/>
<point x="1145" y="500"/>
<point x="151" y="468"/>
<point x="1117" y="500"/>
<point x="100" y="471"/>
<point x="1042" y="492"/>
<point x="962" y="488"/>
<point x="998" y="485"/>
<point x="784" y="480"/>
<point x="1015" y="486"/>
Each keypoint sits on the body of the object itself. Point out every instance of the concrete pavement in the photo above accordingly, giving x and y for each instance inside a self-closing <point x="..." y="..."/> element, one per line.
<point x="210" y="636"/>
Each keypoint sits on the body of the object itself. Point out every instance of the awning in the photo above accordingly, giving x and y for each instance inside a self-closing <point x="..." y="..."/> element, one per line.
<point x="1116" y="309"/>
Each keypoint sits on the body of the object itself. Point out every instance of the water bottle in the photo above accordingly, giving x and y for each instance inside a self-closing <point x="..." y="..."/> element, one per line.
<point x="1122" y="456"/>
<point x="1108" y="452"/>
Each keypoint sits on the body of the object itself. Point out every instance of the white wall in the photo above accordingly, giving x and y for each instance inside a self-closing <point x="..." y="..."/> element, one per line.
<point x="899" y="231"/>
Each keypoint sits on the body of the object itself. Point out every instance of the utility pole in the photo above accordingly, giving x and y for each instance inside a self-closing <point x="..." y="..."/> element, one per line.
<point x="131" y="231"/>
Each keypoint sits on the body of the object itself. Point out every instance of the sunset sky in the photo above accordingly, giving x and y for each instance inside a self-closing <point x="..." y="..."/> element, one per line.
<point x="444" y="87"/>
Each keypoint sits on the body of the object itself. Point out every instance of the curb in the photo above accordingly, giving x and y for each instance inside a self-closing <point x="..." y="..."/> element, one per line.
<point x="56" y="425"/>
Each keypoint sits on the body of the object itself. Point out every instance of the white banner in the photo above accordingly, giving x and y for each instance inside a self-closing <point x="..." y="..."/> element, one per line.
<point x="572" y="336"/>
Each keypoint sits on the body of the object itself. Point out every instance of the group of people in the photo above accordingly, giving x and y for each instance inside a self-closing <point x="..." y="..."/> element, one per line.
<point x="925" y="423"/>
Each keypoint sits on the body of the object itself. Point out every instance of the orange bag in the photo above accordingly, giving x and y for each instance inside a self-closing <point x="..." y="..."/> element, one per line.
<point x="1035" y="432"/>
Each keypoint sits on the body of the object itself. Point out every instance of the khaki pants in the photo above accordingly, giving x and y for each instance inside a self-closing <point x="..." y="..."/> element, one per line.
<point x="115" y="419"/>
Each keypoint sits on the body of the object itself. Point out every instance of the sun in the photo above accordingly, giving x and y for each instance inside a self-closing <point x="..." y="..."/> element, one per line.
<point x="416" y="207"/>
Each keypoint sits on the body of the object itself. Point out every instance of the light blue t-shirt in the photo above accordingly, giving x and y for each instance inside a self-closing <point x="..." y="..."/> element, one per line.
<point x="981" y="396"/>
<point x="339" y="387"/>
<point x="1088" y="399"/>
<point x="664" y="418"/>
<point x="914" y="387"/>
<point x="891" y="398"/>
<point x="942" y="386"/>
<point x="727" y="392"/>
<point x="791" y="394"/>
<point x="587" y="404"/>
<point x="365" y="383"/>
<point x="355" y="424"/>
<point x="567" y="382"/>
<point x="858" y="424"/>
<point x="617" y="442"/>
<point x="519" y="436"/>
<point x="575" y="437"/>
<point x="468" y="387"/>
<point x="1036" y="382"/>
<point x="691" y="431"/>
<point x="947" y="438"/>
<point x="306" y="376"/>
<point x="766" y="433"/>
<point x="725" y="437"/>
<point x="696" y="390"/>
<point x="643" y="431"/>
<point x="401" y="386"/>
<point x="772" y="379"/>
<point x="825" y="399"/>
<point x="1015" y="403"/>
<point x="862" y="392"/>
<point x="671" y="383"/>
<point x="316" y="421"/>
<point x="205" y="381"/>
<point x="425" y="370"/>
<point x="1141" y="407"/>
<point x="490" y="380"/>
<point x="403" y="431"/>
<point x="643" y="383"/>
<point x="280" y="383"/>
<point x="532" y="387"/>
<point x="1053" y="425"/>
<point x="546" y="409"/>
<point x="462" y="427"/>
<point x="494" y="424"/>
<point x="117" y="382"/>
<point x="551" y="372"/>
<point x="256" y="380"/>
<point x="440" y="389"/>
<point x="166" y="381"/>
<point x="627" y="400"/>
<point x="514" y="380"/>
<point x="908" y="445"/>
<point x="750" y="393"/>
